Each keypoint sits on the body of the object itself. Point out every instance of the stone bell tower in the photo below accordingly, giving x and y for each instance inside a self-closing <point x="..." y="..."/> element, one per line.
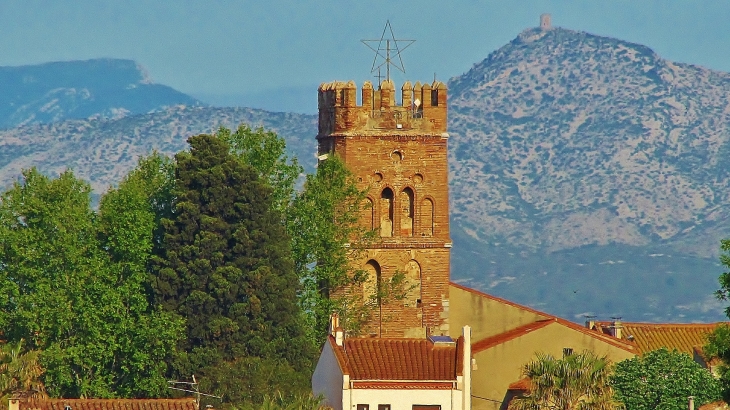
<point x="398" y="152"/>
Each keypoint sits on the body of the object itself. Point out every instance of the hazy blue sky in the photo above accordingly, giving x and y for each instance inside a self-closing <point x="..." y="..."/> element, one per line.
<point x="219" y="47"/>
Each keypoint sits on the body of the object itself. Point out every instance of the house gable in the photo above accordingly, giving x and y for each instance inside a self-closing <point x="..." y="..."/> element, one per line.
<point x="331" y="375"/>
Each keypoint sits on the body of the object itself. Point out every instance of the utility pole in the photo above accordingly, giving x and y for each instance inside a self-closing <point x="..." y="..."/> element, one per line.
<point x="193" y="388"/>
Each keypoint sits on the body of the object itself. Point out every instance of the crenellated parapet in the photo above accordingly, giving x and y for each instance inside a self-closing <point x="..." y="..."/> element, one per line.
<point x="422" y="108"/>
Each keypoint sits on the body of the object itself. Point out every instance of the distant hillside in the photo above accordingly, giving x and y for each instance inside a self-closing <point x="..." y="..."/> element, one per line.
<point x="566" y="144"/>
<point x="588" y="175"/>
<point x="57" y="91"/>
<point x="102" y="151"/>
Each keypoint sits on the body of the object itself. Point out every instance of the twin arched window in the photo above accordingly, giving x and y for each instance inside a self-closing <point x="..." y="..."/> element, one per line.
<point x="371" y="287"/>
<point x="407" y="214"/>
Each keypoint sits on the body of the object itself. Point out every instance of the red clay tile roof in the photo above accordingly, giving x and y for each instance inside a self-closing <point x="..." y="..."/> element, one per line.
<point x="409" y="385"/>
<point x="109" y="404"/>
<point x="718" y="405"/>
<point x="653" y="336"/>
<point x="495" y="340"/>
<point x="398" y="359"/>
<point x="621" y="344"/>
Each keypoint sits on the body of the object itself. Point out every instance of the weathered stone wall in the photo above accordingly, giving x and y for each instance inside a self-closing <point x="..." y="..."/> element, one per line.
<point x="399" y="153"/>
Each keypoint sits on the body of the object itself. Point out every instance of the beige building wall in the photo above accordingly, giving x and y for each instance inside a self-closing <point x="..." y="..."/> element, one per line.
<point x="506" y="359"/>
<point x="486" y="316"/>
<point x="500" y="364"/>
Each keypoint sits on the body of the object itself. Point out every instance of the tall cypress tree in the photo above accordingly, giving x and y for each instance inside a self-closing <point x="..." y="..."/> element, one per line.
<point x="225" y="264"/>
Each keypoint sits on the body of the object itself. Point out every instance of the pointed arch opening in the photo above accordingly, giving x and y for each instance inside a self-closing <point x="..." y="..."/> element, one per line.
<point x="386" y="213"/>
<point x="371" y="286"/>
<point x="413" y="283"/>
<point x="427" y="217"/>
<point x="406" y="216"/>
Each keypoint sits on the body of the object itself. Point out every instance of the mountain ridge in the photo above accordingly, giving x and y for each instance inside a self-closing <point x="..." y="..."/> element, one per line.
<point x="587" y="174"/>
<point x="56" y="91"/>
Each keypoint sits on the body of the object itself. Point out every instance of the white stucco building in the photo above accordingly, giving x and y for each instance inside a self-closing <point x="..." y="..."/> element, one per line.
<point x="395" y="374"/>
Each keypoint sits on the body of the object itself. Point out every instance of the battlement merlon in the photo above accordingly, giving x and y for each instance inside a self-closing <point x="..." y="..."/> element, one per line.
<point x="422" y="108"/>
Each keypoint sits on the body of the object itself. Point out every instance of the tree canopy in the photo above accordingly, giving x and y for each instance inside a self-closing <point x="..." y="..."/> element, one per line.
<point x="73" y="286"/>
<point x="225" y="263"/>
<point x="323" y="222"/>
<point x="575" y="381"/>
<point x="663" y="380"/>
<point x="266" y="153"/>
<point x="210" y="263"/>
<point x="20" y="370"/>
<point x="718" y="344"/>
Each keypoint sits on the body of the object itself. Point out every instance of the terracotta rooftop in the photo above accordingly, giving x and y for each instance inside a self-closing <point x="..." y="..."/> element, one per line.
<point x="653" y="336"/>
<point x="399" y="359"/>
<point x="109" y="404"/>
<point x="495" y="340"/>
<point x="717" y="405"/>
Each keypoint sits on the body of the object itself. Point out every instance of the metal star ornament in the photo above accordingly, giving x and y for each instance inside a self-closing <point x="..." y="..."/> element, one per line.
<point x="387" y="52"/>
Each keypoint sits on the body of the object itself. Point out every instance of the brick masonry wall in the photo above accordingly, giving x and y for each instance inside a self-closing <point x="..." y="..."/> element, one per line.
<point x="400" y="155"/>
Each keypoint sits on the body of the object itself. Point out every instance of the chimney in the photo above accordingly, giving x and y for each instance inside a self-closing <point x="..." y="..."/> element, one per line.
<point x="617" y="327"/>
<point x="334" y="323"/>
<point x="339" y="336"/>
<point x="466" y="331"/>
<point x="691" y="403"/>
<point x="14" y="404"/>
<point x="335" y="330"/>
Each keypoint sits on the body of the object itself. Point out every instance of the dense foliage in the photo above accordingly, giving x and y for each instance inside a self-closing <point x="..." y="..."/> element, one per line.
<point x="226" y="264"/>
<point x="72" y="284"/>
<point x="663" y="380"/>
<point x="20" y="370"/>
<point x="266" y="153"/>
<point x="576" y="381"/>
<point x="718" y="344"/>
<point x="323" y="223"/>
<point x="210" y="263"/>
<point x="724" y="292"/>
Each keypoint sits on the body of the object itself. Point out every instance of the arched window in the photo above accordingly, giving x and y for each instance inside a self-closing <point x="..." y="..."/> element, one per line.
<point x="427" y="217"/>
<point x="367" y="214"/>
<point x="386" y="213"/>
<point x="406" y="216"/>
<point x="413" y="284"/>
<point x="371" y="286"/>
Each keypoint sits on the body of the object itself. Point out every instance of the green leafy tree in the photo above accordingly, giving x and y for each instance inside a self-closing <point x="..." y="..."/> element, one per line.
<point x="20" y="371"/>
<point x="266" y="153"/>
<point x="718" y="344"/>
<point x="724" y="292"/>
<point x="225" y="264"/>
<point x="278" y="402"/>
<point x="323" y="222"/>
<point x="251" y="380"/>
<point x="576" y="381"/>
<point x="73" y="286"/>
<point x="663" y="380"/>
